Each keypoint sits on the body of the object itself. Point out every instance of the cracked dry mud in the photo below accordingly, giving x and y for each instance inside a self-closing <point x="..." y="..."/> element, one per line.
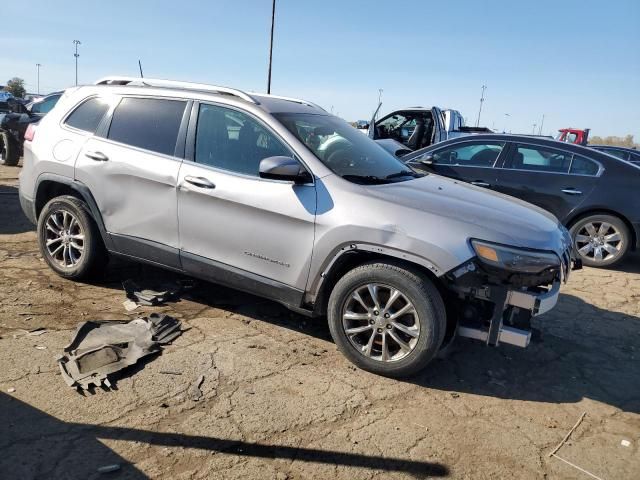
<point x="278" y="400"/>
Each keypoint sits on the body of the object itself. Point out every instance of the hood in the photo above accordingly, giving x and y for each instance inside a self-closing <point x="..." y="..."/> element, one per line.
<point x="477" y="212"/>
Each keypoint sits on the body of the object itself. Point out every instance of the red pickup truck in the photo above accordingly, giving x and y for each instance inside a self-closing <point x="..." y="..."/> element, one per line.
<point x="573" y="135"/>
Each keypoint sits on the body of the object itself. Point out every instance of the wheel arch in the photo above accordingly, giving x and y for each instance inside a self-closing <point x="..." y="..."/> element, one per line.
<point x="50" y="186"/>
<point x="354" y="255"/>
<point x="576" y="217"/>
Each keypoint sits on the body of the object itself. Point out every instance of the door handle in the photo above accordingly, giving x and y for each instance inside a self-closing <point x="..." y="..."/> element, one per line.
<point x="97" y="156"/>
<point x="571" y="191"/>
<point x="199" y="181"/>
<point x="479" y="183"/>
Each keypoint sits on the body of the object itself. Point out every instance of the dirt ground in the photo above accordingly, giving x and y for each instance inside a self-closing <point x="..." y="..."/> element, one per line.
<point x="279" y="401"/>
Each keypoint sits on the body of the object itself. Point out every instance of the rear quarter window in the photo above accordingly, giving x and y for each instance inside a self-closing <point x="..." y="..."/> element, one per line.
<point x="583" y="166"/>
<point x="148" y="123"/>
<point x="88" y="115"/>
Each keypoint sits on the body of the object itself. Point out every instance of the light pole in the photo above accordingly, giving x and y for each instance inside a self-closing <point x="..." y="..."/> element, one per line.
<point x="273" y="21"/>
<point x="380" y="90"/>
<point x="507" y="115"/>
<point x="76" y="43"/>
<point x="38" y="76"/>
<point x="484" y="87"/>
<point x="534" y="129"/>
<point x="541" y="124"/>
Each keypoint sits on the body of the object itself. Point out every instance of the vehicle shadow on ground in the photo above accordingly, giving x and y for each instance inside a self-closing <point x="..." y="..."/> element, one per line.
<point x="37" y="445"/>
<point x="12" y="220"/>
<point x="591" y="356"/>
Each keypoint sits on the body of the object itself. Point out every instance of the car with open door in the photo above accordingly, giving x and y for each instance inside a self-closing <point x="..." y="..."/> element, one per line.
<point x="403" y="131"/>
<point x="592" y="193"/>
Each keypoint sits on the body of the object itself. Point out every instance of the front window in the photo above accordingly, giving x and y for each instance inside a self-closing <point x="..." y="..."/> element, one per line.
<point x="482" y="154"/>
<point x="345" y="151"/>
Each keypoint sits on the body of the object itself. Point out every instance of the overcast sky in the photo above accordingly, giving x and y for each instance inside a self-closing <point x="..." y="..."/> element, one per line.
<point x="577" y="62"/>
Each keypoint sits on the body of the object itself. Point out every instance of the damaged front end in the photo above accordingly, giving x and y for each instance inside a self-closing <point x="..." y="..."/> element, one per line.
<point x="497" y="292"/>
<point x="100" y="348"/>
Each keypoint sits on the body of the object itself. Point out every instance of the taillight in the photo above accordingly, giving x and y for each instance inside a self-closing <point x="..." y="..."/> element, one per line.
<point x="30" y="133"/>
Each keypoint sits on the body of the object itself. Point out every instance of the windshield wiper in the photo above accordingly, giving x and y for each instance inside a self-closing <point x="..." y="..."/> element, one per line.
<point x="365" y="179"/>
<point x="404" y="173"/>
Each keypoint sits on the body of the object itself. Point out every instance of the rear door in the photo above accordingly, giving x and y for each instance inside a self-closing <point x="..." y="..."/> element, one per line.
<point x="554" y="179"/>
<point x="233" y="223"/>
<point x="131" y="167"/>
<point x="470" y="161"/>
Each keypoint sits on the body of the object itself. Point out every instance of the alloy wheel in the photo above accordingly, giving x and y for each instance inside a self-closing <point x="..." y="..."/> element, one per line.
<point x="64" y="238"/>
<point x="598" y="241"/>
<point x="380" y="322"/>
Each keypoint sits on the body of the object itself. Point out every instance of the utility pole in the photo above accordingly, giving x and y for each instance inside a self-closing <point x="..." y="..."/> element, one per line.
<point x="541" y="124"/>
<point x="38" y="65"/>
<point x="484" y="87"/>
<point x="76" y="43"/>
<point x="273" y="20"/>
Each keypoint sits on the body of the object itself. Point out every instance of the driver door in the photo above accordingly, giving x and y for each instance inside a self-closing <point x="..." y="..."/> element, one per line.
<point x="232" y="223"/>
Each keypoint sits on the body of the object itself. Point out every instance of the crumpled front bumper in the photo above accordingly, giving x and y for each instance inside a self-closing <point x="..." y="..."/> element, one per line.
<point x="536" y="303"/>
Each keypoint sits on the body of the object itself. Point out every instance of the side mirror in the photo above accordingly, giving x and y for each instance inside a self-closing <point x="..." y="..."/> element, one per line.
<point x="427" y="160"/>
<point x="283" y="168"/>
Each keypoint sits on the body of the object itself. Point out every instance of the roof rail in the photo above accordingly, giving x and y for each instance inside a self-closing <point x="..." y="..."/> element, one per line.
<point x="157" y="82"/>
<point x="289" y="99"/>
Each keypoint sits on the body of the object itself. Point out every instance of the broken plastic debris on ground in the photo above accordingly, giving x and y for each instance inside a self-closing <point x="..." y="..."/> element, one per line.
<point x="150" y="297"/>
<point x="100" y="348"/>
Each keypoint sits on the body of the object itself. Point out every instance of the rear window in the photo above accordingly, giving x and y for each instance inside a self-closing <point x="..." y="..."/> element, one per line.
<point x="88" y="115"/>
<point x="148" y="123"/>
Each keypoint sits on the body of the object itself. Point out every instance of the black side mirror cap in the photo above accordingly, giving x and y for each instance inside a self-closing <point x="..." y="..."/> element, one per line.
<point x="284" y="168"/>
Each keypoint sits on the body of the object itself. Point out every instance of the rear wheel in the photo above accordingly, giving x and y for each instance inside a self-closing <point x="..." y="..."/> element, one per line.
<point x="69" y="239"/>
<point x="8" y="150"/>
<point x="600" y="240"/>
<point x="387" y="319"/>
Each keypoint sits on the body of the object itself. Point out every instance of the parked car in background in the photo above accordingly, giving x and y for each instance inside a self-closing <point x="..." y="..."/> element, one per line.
<point x="15" y="119"/>
<point x="593" y="194"/>
<point x="403" y="131"/>
<point x="629" y="154"/>
<point x="277" y="197"/>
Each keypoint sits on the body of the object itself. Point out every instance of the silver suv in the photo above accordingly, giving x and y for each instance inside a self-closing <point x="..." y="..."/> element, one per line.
<point x="276" y="197"/>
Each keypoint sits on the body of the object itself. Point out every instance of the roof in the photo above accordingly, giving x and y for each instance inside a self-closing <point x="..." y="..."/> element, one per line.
<point x="616" y="147"/>
<point x="270" y="103"/>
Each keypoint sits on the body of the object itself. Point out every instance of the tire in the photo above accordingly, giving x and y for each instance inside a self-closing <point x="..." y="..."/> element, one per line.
<point x="8" y="150"/>
<point x="428" y="319"/>
<point x="604" y="233"/>
<point x="67" y="219"/>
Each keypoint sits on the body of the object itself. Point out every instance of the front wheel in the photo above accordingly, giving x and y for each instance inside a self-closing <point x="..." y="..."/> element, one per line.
<point x="387" y="319"/>
<point x="600" y="240"/>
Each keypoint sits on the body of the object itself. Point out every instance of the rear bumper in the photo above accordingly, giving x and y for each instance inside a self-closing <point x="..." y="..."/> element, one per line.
<point x="28" y="207"/>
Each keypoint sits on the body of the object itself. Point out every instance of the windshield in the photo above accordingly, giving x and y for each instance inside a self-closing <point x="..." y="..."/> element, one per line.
<point x="346" y="151"/>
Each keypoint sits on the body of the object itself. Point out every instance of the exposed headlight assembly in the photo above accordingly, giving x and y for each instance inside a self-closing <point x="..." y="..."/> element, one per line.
<point x="514" y="259"/>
